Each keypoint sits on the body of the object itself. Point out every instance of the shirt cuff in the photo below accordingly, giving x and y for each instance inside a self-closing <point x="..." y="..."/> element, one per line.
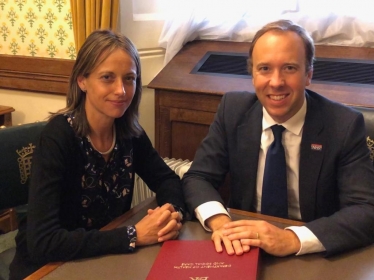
<point x="207" y="210"/>
<point x="309" y="242"/>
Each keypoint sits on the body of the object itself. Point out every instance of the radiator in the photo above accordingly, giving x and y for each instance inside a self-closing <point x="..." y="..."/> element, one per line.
<point x="141" y="190"/>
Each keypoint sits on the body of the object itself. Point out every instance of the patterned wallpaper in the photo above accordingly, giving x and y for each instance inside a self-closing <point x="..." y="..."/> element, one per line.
<point x="41" y="28"/>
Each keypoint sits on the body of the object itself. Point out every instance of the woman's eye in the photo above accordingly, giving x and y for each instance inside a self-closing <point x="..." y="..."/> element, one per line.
<point x="105" y="77"/>
<point x="130" y="79"/>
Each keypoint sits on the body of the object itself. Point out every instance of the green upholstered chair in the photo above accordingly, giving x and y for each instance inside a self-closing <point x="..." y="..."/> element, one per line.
<point x="17" y="144"/>
<point x="368" y="114"/>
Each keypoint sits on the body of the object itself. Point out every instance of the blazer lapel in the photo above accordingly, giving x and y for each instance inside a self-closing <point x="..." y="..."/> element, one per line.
<point x="312" y="151"/>
<point x="249" y="141"/>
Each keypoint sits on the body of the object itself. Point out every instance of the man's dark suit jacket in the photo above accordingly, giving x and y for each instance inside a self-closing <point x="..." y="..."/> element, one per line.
<point x="336" y="182"/>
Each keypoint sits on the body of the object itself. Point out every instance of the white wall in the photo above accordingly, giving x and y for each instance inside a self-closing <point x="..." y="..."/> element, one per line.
<point x="30" y="106"/>
<point x="145" y="36"/>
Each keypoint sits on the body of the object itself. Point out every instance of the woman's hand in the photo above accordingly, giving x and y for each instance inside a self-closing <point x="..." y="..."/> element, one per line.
<point x="161" y="224"/>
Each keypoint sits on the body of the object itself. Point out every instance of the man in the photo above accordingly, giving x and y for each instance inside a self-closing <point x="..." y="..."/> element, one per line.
<point x="330" y="178"/>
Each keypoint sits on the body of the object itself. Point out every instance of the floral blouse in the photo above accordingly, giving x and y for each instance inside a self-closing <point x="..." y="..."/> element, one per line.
<point x="106" y="186"/>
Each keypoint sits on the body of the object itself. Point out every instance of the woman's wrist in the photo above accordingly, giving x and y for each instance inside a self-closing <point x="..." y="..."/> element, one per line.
<point x="132" y="235"/>
<point x="179" y="210"/>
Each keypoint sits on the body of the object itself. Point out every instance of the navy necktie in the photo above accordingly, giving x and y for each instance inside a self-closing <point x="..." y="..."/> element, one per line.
<point x="274" y="188"/>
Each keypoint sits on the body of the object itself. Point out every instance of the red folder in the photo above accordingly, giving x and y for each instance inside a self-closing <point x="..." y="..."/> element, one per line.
<point x="198" y="259"/>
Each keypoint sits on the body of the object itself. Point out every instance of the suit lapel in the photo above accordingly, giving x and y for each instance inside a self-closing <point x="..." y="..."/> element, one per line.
<point x="249" y="141"/>
<point x="312" y="150"/>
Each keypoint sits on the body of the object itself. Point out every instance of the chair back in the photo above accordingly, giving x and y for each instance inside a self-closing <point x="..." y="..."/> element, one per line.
<point x="368" y="114"/>
<point x="17" y="144"/>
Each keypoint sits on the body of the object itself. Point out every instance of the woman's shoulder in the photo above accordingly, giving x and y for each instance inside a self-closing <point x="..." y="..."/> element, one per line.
<point x="141" y="139"/>
<point x="58" y="127"/>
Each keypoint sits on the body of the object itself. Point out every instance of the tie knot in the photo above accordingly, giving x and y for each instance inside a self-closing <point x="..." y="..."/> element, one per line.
<point x="277" y="131"/>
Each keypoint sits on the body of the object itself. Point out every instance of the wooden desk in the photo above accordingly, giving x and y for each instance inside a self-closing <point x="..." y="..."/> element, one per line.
<point x="6" y="115"/>
<point x="357" y="264"/>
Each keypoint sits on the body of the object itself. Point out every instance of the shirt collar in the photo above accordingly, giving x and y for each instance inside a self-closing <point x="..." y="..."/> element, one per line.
<point x="294" y="124"/>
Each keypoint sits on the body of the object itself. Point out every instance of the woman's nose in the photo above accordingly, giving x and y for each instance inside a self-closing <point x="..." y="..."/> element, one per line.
<point x="120" y="88"/>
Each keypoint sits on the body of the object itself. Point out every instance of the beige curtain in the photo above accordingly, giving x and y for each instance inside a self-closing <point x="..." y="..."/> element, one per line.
<point x="89" y="15"/>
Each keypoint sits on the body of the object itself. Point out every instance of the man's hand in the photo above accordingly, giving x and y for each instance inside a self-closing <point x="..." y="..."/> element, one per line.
<point x="161" y="224"/>
<point x="216" y="223"/>
<point x="273" y="240"/>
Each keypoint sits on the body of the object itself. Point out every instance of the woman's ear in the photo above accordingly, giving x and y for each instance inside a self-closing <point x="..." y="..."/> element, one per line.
<point x="82" y="83"/>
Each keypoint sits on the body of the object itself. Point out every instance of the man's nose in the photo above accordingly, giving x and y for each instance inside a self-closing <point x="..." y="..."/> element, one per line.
<point x="276" y="79"/>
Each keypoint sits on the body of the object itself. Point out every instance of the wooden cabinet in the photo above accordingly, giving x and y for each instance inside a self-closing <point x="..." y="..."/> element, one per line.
<point x="186" y="102"/>
<point x="182" y="121"/>
<point x="6" y="115"/>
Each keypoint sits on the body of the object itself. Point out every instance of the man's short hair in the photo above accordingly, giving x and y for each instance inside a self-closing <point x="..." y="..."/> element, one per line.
<point x="285" y="26"/>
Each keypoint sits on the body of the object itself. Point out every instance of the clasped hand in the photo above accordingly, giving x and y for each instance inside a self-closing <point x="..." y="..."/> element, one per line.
<point x="161" y="224"/>
<point x="239" y="236"/>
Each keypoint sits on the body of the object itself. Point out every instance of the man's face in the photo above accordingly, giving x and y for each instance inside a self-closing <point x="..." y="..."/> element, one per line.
<point x="279" y="75"/>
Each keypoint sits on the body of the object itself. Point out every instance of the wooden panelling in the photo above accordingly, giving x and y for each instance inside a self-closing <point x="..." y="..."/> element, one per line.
<point x="197" y="101"/>
<point x="190" y="116"/>
<point x="345" y="52"/>
<point x="46" y="75"/>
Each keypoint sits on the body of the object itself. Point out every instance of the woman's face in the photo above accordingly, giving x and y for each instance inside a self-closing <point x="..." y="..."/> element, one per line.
<point x="110" y="88"/>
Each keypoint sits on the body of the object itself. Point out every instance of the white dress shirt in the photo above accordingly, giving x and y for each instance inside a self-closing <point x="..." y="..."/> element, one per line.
<point x="291" y="139"/>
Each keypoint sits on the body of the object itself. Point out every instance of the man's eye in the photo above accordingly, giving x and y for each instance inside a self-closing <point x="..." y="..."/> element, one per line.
<point x="290" y="68"/>
<point x="263" y="69"/>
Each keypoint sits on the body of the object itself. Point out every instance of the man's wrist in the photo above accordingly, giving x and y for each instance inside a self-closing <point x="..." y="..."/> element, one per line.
<point x="294" y="241"/>
<point x="217" y="221"/>
<point x="309" y="242"/>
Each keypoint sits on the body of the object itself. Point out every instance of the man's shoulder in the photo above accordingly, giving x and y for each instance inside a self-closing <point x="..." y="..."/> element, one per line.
<point x="328" y="106"/>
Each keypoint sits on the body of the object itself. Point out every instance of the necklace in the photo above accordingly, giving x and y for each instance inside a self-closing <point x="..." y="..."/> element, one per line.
<point x="111" y="147"/>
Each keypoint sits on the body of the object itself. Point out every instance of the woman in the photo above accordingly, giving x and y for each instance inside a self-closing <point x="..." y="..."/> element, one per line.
<point x="84" y="164"/>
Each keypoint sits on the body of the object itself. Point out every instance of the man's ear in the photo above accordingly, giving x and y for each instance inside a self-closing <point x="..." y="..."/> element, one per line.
<point x="309" y="76"/>
<point x="82" y="83"/>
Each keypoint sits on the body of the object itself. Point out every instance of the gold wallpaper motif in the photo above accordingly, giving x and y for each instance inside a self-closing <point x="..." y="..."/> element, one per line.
<point x="41" y="28"/>
<point x="370" y="144"/>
